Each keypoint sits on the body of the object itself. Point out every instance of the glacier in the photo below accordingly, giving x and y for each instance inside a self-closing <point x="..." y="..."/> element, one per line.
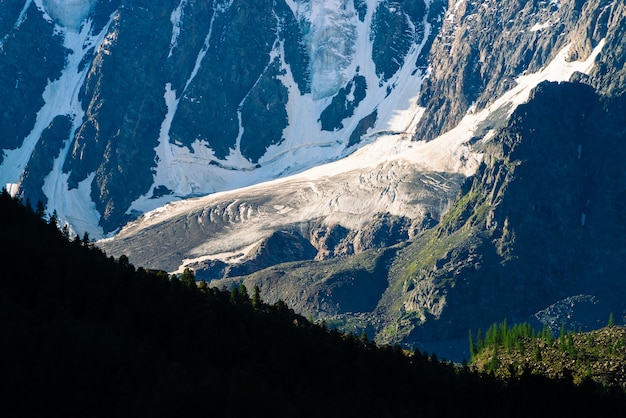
<point x="340" y="47"/>
<point x="374" y="179"/>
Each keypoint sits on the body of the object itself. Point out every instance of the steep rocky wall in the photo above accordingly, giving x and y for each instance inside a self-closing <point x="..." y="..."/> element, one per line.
<point x="29" y="57"/>
<point x="540" y="222"/>
<point x="484" y="46"/>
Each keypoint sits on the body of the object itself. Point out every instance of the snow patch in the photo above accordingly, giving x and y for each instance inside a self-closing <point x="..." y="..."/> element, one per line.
<point x="176" y="18"/>
<point x="12" y="189"/>
<point x="538" y="27"/>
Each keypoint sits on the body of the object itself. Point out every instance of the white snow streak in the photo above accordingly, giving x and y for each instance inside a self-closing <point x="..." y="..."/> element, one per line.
<point x="176" y="18"/>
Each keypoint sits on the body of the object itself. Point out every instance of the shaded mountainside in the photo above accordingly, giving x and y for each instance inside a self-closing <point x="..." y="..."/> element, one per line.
<point x="92" y="336"/>
<point x="540" y="225"/>
<point x="541" y="221"/>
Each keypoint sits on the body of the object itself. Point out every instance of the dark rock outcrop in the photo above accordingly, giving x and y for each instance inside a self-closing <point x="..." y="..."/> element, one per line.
<point x="29" y="57"/>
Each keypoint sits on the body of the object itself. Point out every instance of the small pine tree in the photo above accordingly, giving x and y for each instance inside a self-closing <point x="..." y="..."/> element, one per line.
<point x="256" y="297"/>
<point x="562" y="338"/>
<point x="54" y="219"/>
<point x="243" y="290"/>
<point x="472" y="346"/>
<point x="611" y="320"/>
<point x="41" y="210"/>
<point x="480" y="342"/>
<point x="86" y="240"/>
<point x="234" y="295"/>
<point x="188" y="278"/>
<point x="537" y="353"/>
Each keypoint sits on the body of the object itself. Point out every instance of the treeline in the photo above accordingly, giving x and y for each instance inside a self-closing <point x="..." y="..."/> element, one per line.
<point x="596" y="358"/>
<point x="84" y="334"/>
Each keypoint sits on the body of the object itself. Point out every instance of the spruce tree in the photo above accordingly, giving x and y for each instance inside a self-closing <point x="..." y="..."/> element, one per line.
<point x="86" y="240"/>
<point x="41" y="210"/>
<point x="188" y="277"/>
<point x="256" y="297"/>
<point x="54" y="219"/>
<point x="243" y="290"/>
<point x="472" y="346"/>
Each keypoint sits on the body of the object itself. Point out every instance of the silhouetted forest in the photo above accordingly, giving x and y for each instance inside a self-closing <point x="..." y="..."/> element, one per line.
<point x="85" y="335"/>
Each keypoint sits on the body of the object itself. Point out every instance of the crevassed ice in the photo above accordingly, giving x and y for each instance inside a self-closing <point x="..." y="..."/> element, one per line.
<point x="69" y="13"/>
<point x="331" y="42"/>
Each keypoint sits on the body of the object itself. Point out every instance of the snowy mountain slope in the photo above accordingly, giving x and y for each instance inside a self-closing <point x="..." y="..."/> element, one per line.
<point x="392" y="175"/>
<point x="222" y="95"/>
<point x="108" y="117"/>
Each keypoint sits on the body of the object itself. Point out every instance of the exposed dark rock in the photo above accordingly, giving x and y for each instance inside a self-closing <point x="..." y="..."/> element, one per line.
<point x="478" y="54"/>
<point x="120" y="130"/>
<point x="208" y="110"/>
<point x="291" y="33"/>
<point x="264" y="128"/>
<point x="361" y="8"/>
<point x="332" y="241"/>
<point x="9" y="12"/>
<point x="384" y="231"/>
<point x="280" y="247"/>
<point x="396" y="26"/>
<point x="41" y="161"/>
<point x="30" y="56"/>
<point x="362" y="128"/>
<point x="343" y="104"/>
<point x="609" y="74"/>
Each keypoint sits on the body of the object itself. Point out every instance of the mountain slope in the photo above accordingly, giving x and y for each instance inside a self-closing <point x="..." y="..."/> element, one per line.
<point x="172" y="99"/>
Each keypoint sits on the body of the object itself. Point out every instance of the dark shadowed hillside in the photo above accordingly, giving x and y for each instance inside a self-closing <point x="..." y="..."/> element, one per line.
<point x="86" y="335"/>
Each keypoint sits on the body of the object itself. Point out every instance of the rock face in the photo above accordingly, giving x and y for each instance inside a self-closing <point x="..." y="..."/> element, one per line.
<point x="540" y="222"/>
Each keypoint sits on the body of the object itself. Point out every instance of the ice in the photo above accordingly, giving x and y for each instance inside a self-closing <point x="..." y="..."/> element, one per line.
<point x="69" y="13"/>
<point x="330" y="42"/>
<point x="318" y="191"/>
